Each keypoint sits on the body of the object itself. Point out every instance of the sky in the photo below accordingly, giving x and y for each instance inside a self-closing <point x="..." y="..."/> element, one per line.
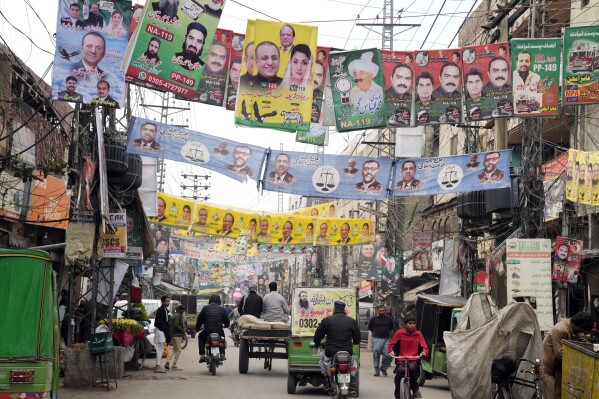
<point x="337" y="27"/>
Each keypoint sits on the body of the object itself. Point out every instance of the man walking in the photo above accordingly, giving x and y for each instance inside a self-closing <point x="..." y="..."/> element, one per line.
<point x="162" y="331"/>
<point x="275" y="307"/>
<point x="177" y="333"/>
<point x="381" y="327"/>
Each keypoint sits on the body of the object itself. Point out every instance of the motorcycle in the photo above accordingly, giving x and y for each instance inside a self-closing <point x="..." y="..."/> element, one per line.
<point x="213" y="345"/>
<point x="341" y="369"/>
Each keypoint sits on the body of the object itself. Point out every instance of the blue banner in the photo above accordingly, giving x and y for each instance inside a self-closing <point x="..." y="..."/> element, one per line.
<point x="326" y="175"/>
<point x="453" y="174"/>
<point x="239" y="161"/>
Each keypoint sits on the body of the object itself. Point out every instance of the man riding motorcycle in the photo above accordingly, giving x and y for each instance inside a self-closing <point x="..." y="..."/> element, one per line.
<point x="341" y="332"/>
<point x="212" y="317"/>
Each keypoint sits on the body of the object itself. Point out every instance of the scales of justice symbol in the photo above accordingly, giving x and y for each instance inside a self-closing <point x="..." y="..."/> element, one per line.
<point x="450" y="176"/>
<point x="325" y="179"/>
<point x="195" y="152"/>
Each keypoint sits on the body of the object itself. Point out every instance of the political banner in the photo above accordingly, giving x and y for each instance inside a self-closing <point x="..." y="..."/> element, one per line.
<point x="566" y="260"/>
<point x="488" y="81"/>
<point x="279" y="94"/>
<point x="398" y="71"/>
<point x="369" y="265"/>
<point x="580" y="60"/>
<point x="135" y="238"/>
<point x="318" y="132"/>
<point x="171" y="45"/>
<point x="212" y="87"/>
<point x="357" y="84"/>
<point x="453" y="174"/>
<point x="285" y="248"/>
<point x="158" y="140"/>
<point x="333" y="231"/>
<point x="391" y="274"/>
<point x="310" y="305"/>
<point x="136" y="16"/>
<point x="245" y="97"/>
<point x="327" y="175"/>
<point x="572" y="172"/>
<point x="174" y="211"/>
<point x="422" y="242"/>
<point x="536" y="70"/>
<point x="235" y="66"/>
<point x="328" y="209"/>
<point x="582" y="177"/>
<point x="161" y="235"/>
<point x="91" y="40"/>
<point x="438" y="86"/>
<point x="114" y="238"/>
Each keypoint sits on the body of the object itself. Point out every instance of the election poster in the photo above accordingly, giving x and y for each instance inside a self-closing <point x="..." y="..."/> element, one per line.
<point x="331" y="231"/>
<point x="328" y="209"/>
<point x="580" y="61"/>
<point x="213" y="84"/>
<point x="422" y="242"/>
<point x="453" y="174"/>
<point x="318" y="132"/>
<point x="535" y="71"/>
<point x="310" y="305"/>
<point x="438" y="86"/>
<point x="566" y="260"/>
<point x="582" y="177"/>
<point x="572" y="171"/>
<point x="327" y="175"/>
<point x="357" y="85"/>
<point x="171" y="44"/>
<point x="158" y="140"/>
<point x="279" y="94"/>
<point x="173" y="211"/>
<point x="245" y="98"/>
<point x="488" y="82"/>
<point x="398" y="71"/>
<point x="91" y="40"/>
<point x="234" y="70"/>
<point x="114" y="238"/>
<point x="135" y="239"/>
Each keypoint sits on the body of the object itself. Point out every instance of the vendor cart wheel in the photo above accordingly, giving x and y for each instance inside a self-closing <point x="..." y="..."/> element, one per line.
<point x="291" y="383"/>
<point x="184" y="341"/>
<point x="139" y="356"/>
<point x="421" y="376"/>
<point x="244" y="356"/>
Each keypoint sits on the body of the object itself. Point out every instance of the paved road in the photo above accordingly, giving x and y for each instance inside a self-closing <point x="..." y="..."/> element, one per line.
<point x="194" y="381"/>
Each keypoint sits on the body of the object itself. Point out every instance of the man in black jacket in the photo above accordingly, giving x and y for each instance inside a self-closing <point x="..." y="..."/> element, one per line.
<point x="342" y="333"/>
<point x="251" y="304"/>
<point x="381" y="327"/>
<point x="212" y="318"/>
<point x="162" y="331"/>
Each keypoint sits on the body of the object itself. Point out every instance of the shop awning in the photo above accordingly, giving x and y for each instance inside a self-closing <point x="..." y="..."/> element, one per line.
<point x="410" y="296"/>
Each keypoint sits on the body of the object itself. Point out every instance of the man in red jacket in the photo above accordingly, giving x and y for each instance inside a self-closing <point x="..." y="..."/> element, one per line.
<point x="408" y="342"/>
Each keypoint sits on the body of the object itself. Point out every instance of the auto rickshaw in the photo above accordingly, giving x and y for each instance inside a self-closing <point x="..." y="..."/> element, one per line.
<point x="303" y="359"/>
<point x="29" y="348"/>
<point x="434" y="315"/>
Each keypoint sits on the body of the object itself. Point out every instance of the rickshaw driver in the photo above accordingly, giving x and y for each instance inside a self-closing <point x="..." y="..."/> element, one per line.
<point x="408" y="342"/>
<point x="341" y="332"/>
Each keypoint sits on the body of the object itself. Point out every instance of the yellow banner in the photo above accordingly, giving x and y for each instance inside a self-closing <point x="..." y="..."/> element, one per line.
<point x="328" y="209"/>
<point x="582" y="177"/>
<point x="572" y="171"/>
<point x="334" y="231"/>
<point x="310" y="305"/>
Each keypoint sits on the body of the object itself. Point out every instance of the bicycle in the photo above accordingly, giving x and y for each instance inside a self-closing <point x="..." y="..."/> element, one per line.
<point x="503" y="375"/>
<point x="404" y="384"/>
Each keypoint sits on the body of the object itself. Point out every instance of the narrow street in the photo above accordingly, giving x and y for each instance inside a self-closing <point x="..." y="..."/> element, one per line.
<point x="228" y="383"/>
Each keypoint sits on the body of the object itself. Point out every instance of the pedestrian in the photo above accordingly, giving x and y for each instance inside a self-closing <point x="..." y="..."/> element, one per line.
<point x="389" y="313"/>
<point x="162" y="331"/>
<point x="574" y="329"/>
<point x="252" y="303"/>
<point x="381" y="327"/>
<point x="177" y="333"/>
<point x="275" y="307"/>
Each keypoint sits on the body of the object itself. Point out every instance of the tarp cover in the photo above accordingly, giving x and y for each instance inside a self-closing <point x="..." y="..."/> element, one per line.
<point x="512" y="333"/>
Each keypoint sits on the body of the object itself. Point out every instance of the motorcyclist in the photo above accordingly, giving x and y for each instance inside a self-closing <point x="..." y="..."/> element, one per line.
<point x="341" y="332"/>
<point x="408" y="342"/>
<point x="212" y="317"/>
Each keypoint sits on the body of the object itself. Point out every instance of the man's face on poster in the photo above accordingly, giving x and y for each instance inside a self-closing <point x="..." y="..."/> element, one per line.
<point x="264" y="227"/>
<point x="595" y="172"/>
<point x="498" y="72"/>
<point x="363" y="79"/>
<point x="194" y="42"/>
<point x="323" y="229"/>
<point x="227" y="222"/>
<point x="408" y="171"/>
<point x="71" y="85"/>
<point x="161" y="207"/>
<point x="287" y="228"/>
<point x="569" y="169"/>
<point x="424" y="88"/>
<point x="474" y="85"/>
<point x="75" y="10"/>
<point x="367" y="251"/>
<point x="369" y="172"/>
<point x="153" y="48"/>
<point x="203" y="217"/>
<point x="217" y="58"/>
<point x="282" y="164"/>
<point x="241" y="155"/>
<point x="286" y="36"/>
<point x="344" y="231"/>
<point x="148" y="132"/>
<point x="250" y="58"/>
<point x="523" y="62"/>
<point x="103" y="89"/>
<point x="450" y="78"/>
<point x="267" y="60"/>
<point x="94" y="9"/>
<point x="401" y="80"/>
<point x="318" y="76"/>
<point x="491" y="161"/>
<point x="93" y="50"/>
<point x="562" y="251"/>
<point x="235" y="73"/>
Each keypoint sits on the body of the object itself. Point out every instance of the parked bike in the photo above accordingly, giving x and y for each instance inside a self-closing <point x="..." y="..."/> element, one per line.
<point x="213" y="358"/>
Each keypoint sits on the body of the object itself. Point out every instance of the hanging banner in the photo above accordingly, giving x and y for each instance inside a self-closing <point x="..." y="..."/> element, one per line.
<point x="582" y="177"/>
<point x="328" y="209"/>
<point x="566" y="259"/>
<point x="450" y="272"/>
<point x="170" y="47"/>
<point x="285" y="248"/>
<point x="279" y="94"/>
<point x="318" y="131"/>
<point x="536" y="70"/>
<point x="50" y="202"/>
<point x="438" y="86"/>
<point x="357" y="84"/>
<point x="90" y="45"/>
<point x="213" y="83"/>
<point x="135" y="238"/>
<point x="331" y="231"/>
<point x="235" y="67"/>
<point x="174" y="211"/>
<point x="529" y="276"/>
<point x="580" y="60"/>
<point x="114" y="239"/>
<point x="325" y="175"/>
<point x="453" y="174"/>
<point x="422" y="242"/>
<point x="392" y="272"/>
<point x="572" y="171"/>
<point x="488" y="82"/>
<point x="398" y="71"/>
<point x="157" y="140"/>
<point x="310" y="305"/>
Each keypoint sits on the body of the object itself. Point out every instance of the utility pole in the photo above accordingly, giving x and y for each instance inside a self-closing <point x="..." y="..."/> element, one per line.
<point x="280" y="195"/>
<point x="195" y="186"/>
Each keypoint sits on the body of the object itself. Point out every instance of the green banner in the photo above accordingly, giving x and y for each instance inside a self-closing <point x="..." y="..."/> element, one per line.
<point x="170" y="47"/>
<point x="535" y="83"/>
<point x="357" y="83"/>
<point x="581" y="60"/>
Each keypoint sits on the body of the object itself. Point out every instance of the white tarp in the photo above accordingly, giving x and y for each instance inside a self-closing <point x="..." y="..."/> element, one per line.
<point x="512" y="332"/>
